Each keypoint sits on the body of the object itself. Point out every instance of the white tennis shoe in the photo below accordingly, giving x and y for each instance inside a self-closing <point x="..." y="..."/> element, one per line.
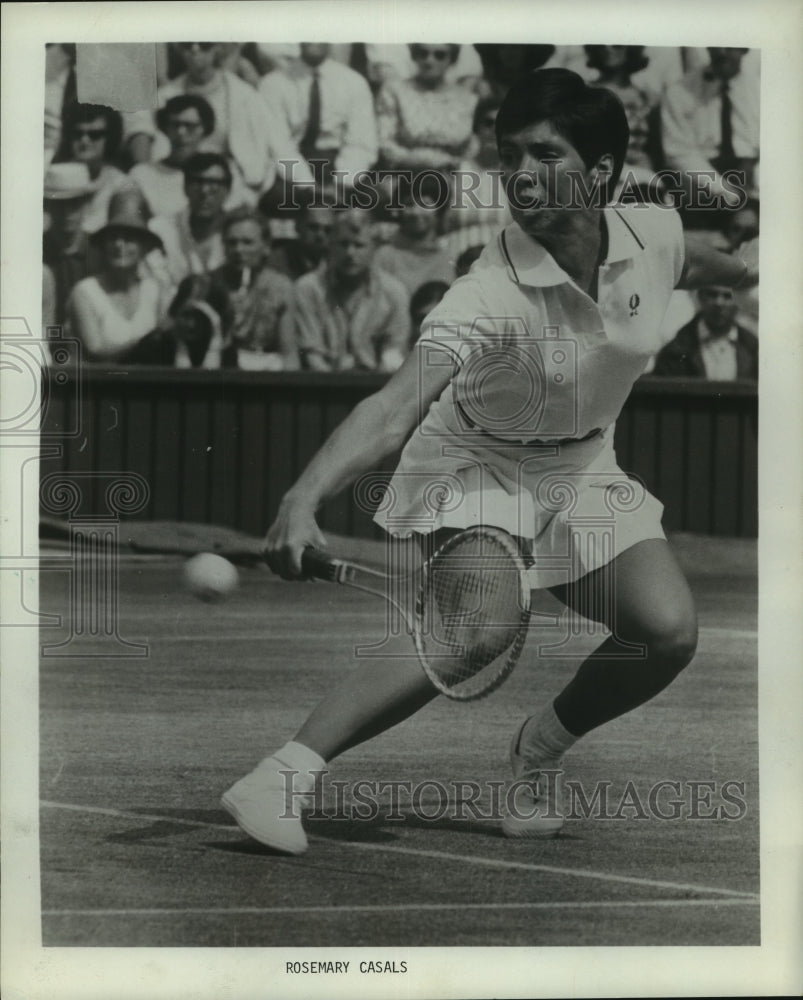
<point x="534" y="802"/>
<point x="267" y="805"/>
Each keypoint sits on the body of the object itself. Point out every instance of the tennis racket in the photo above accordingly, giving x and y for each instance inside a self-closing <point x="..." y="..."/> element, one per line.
<point x="470" y="612"/>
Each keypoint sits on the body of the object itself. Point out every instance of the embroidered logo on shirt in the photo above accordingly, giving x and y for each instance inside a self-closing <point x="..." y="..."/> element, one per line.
<point x="634" y="304"/>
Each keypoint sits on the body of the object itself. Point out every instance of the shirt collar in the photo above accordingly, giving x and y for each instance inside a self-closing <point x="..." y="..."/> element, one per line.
<point x="706" y="337"/>
<point x="303" y="71"/>
<point x="533" y="265"/>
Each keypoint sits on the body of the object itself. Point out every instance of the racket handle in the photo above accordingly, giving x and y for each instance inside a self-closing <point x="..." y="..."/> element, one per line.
<point x="318" y="564"/>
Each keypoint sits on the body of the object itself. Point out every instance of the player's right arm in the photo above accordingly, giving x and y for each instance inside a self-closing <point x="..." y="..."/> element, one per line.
<point x="376" y="427"/>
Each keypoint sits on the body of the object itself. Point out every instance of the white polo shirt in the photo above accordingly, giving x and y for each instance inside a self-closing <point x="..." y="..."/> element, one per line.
<point x="522" y="436"/>
<point x="538" y="357"/>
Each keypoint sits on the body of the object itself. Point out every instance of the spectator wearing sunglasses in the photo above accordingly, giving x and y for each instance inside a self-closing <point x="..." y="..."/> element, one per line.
<point x="384" y="63"/>
<point x="244" y="130"/>
<point x="92" y="134"/>
<point x="425" y="121"/>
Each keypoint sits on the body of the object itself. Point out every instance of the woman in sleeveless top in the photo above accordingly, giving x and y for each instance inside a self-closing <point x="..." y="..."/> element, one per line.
<point x="112" y="311"/>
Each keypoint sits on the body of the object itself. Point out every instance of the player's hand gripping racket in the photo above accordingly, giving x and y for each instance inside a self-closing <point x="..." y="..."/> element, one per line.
<point x="471" y="612"/>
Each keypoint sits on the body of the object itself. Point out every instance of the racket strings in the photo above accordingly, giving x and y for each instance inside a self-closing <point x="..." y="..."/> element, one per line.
<point x="474" y="612"/>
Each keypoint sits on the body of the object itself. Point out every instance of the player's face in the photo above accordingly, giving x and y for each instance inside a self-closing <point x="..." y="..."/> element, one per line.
<point x="185" y="131"/>
<point x="244" y="244"/>
<point x="717" y="307"/>
<point x="539" y="166"/>
<point x="351" y="252"/>
<point x="206" y="192"/>
<point x="88" y="140"/>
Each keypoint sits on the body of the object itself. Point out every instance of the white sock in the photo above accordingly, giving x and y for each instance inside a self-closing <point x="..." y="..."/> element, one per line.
<point x="299" y="758"/>
<point x="544" y="739"/>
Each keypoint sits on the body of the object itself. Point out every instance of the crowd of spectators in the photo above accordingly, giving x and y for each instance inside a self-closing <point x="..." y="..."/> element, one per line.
<point x="231" y="227"/>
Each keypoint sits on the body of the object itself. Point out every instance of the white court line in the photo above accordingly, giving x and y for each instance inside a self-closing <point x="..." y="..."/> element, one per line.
<point x="466" y="859"/>
<point x="401" y="908"/>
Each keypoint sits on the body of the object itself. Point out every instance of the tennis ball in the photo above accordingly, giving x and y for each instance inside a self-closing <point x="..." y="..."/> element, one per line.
<point x="210" y="577"/>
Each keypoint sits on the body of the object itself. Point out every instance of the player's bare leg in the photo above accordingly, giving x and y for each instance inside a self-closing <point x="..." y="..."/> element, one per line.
<point x="374" y="696"/>
<point x="652" y="608"/>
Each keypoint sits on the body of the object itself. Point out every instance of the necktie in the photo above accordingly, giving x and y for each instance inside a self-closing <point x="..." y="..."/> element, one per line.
<point x="727" y="155"/>
<point x="310" y="138"/>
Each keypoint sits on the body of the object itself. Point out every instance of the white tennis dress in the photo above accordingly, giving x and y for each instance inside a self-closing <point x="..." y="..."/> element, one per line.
<point x="522" y="436"/>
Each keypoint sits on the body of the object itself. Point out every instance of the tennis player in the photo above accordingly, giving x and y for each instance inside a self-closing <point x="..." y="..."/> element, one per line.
<point x="594" y="280"/>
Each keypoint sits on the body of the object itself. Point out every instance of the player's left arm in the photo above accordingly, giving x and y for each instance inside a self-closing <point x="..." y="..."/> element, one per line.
<point x="705" y="265"/>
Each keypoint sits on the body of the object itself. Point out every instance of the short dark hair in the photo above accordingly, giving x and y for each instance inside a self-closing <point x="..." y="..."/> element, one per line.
<point x="634" y="57"/>
<point x="454" y="51"/>
<point x="76" y="114"/>
<point x="592" y="119"/>
<point x="198" y="163"/>
<point x="183" y="102"/>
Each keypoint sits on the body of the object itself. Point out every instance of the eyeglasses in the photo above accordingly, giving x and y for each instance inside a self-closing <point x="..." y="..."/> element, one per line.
<point x="95" y="134"/>
<point x="203" y="46"/>
<point x="441" y="55"/>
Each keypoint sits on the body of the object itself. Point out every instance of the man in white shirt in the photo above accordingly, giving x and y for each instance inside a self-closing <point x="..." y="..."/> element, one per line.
<point x="328" y="109"/>
<point x="710" y="122"/>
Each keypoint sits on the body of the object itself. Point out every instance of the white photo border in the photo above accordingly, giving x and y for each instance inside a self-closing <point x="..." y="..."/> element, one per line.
<point x="773" y="968"/>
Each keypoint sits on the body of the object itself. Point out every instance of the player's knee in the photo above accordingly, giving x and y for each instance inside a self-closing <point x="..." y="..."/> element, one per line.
<point x="673" y="639"/>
